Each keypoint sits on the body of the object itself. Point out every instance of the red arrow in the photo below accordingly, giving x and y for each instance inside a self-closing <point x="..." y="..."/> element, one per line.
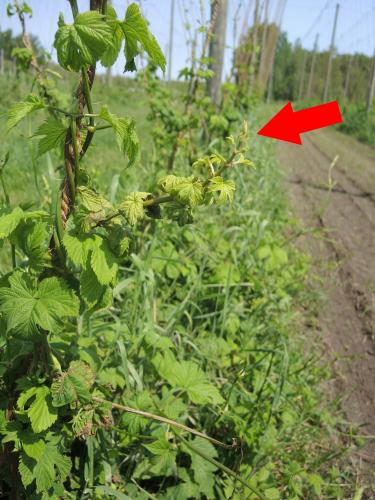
<point x="287" y="125"/>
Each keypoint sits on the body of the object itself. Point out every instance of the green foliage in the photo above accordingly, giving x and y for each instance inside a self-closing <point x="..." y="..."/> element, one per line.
<point x="82" y="42"/>
<point x="22" y="109"/>
<point x="127" y="138"/>
<point x="116" y="318"/>
<point x="52" y="133"/>
<point x="27" y="305"/>
<point x="136" y="32"/>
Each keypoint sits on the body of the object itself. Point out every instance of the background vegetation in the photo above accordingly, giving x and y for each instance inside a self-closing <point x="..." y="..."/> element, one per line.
<point x="205" y="324"/>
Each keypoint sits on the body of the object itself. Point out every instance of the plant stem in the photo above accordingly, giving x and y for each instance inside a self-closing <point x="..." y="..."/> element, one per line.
<point x="74" y="7"/>
<point x="87" y="91"/>
<point x="223" y="467"/>
<point x="165" y="420"/>
<point x="73" y="128"/>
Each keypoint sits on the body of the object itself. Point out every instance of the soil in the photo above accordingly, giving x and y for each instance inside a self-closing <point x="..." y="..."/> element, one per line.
<point x="337" y="206"/>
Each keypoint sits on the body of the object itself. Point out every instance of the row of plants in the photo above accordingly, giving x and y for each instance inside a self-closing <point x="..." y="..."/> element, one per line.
<point x="359" y="123"/>
<point x="148" y="346"/>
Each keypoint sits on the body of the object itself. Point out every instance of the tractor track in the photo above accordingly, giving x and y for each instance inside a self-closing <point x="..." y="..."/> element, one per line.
<point x="344" y="256"/>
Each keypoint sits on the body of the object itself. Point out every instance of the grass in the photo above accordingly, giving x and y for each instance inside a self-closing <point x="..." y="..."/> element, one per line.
<point x="226" y="294"/>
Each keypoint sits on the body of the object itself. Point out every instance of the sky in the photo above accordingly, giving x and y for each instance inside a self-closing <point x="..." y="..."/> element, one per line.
<point x="302" y="19"/>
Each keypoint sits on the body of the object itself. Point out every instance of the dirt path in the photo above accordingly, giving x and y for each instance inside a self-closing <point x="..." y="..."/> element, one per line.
<point x="344" y="253"/>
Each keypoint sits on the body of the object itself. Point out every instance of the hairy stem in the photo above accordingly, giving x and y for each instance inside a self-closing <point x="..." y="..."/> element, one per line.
<point x="165" y="420"/>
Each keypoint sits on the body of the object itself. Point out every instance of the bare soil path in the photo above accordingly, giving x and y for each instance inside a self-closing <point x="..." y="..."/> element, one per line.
<point x="340" y="201"/>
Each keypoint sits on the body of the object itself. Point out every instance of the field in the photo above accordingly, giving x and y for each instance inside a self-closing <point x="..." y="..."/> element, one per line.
<point x="161" y="311"/>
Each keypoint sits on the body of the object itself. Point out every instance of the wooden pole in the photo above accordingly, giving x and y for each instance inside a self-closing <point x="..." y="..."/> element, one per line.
<point x="264" y="43"/>
<point x="330" y="56"/>
<point x="170" y="48"/>
<point x="347" y="76"/>
<point x="312" y="68"/>
<point x="216" y="48"/>
<point x="1" y="61"/>
<point x="302" y="77"/>
<point x="371" y="90"/>
<point x="254" y="46"/>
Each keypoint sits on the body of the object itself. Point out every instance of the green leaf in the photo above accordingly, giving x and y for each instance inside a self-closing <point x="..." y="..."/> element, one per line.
<point x="53" y="462"/>
<point x="203" y="470"/>
<point x="26" y="466"/>
<point x="78" y="247"/>
<point x="132" y="207"/>
<point x="136" y="31"/>
<point x="83" y="42"/>
<point x="41" y="412"/>
<point x="110" y="55"/>
<point x="188" y="376"/>
<point x="26" y="305"/>
<point x="103" y="261"/>
<point x="126" y="135"/>
<point x="90" y="287"/>
<point x="190" y="191"/>
<point x="23" y="57"/>
<point x="9" y="220"/>
<point x="33" y="239"/>
<point x="33" y="446"/>
<point x="20" y="110"/>
<point x="52" y="133"/>
<point x="91" y="200"/>
<point x="165" y="456"/>
<point x="223" y="187"/>
<point x="73" y="385"/>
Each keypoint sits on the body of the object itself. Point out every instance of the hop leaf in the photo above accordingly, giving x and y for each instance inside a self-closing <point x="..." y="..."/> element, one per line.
<point x="83" y="42"/>
<point x="9" y="220"/>
<point x="52" y="465"/>
<point x="223" y="187"/>
<point x="27" y="306"/>
<point x="188" y="376"/>
<point x="132" y="207"/>
<point x="20" y="110"/>
<point x="190" y="191"/>
<point x="126" y="135"/>
<point x="103" y="261"/>
<point x="73" y="385"/>
<point x="52" y="133"/>
<point x="110" y="55"/>
<point x="40" y="412"/>
<point x="136" y="31"/>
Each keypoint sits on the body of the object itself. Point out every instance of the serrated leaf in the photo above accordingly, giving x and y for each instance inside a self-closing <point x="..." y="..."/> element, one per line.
<point x="40" y="412"/>
<point x="91" y="200"/>
<point x="26" y="305"/>
<point x="33" y="239"/>
<point x="25" y="467"/>
<point x="33" y="446"/>
<point x="126" y="135"/>
<point x="190" y="191"/>
<point x="83" y="42"/>
<point x="203" y="470"/>
<point x="20" y="110"/>
<point x="103" y="261"/>
<point x="9" y="220"/>
<point x="132" y="207"/>
<point x="188" y="376"/>
<point x="164" y="455"/>
<point x="225" y="188"/>
<point x="136" y="31"/>
<point x="73" y="385"/>
<point x="90" y="288"/>
<point x="78" y="247"/>
<point x="51" y="466"/>
<point x="52" y="133"/>
<point x="110" y="55"/>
